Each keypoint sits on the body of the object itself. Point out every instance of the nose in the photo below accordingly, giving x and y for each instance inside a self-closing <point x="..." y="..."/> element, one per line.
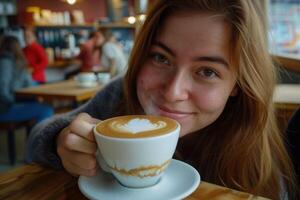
<point x="177" y="87"/>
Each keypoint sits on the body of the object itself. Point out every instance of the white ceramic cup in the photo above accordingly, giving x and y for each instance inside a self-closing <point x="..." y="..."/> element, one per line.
<point x="138" y="161"/>
<point x="86" y="79"/>
<point x="103" y="77"/>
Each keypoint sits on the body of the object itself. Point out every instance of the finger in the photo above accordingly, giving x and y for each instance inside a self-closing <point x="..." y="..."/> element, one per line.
<point x="94" y="121"/>
<point x="82" y="160"/>
<point x="77" y="143"/>
<point x="76" y="171"/>
<point x="61" y="138"/>
<point x="86" y="117"/>
<point x="83" y="126"/>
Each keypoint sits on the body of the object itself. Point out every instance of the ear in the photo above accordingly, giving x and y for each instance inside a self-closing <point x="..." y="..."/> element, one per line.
<point x="234" y="91"/>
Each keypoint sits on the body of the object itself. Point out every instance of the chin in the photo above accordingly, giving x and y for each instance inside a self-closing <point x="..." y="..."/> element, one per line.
<point x="182" y="134"/>
<point x="183" y="131"/>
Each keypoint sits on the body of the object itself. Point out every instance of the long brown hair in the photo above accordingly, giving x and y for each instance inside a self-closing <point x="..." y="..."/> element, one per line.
<point x="11" y="45"/>
<point x="243" y="148"/>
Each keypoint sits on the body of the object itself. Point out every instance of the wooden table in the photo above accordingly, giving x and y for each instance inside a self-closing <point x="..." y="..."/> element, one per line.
<point x="36" y="182"/>
<point x="64" y="90"/>
<point x="288" y="61"/>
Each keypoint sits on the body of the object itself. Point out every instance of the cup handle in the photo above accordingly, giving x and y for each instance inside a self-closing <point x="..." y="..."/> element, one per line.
<point x="102" y="162"/>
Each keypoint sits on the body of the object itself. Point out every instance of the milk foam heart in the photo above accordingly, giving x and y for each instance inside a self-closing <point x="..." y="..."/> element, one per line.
<point x="137" y="125"/>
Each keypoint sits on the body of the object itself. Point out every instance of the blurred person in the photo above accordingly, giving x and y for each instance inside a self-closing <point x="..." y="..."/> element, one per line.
<point x="90" y="52"/>
<point x="112" y="57"/>
<point x="14" y="75"/>
<point x="36" y="56"/>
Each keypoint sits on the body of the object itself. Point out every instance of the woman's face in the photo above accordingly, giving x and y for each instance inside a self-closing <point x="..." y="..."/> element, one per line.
<point x="187" y="75"/>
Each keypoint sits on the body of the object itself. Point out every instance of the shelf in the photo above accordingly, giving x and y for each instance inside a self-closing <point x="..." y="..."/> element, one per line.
<point x="117" y="25"/>
<point x="104" y="25"/>
<point x="288" y="61"/>
<point x="66" y="26"/>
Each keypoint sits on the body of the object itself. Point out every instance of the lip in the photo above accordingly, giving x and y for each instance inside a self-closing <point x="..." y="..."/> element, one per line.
<point x="174" y="114"/>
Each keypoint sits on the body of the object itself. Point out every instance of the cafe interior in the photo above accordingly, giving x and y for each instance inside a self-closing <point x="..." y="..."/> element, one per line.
<point x="62" y="27"/>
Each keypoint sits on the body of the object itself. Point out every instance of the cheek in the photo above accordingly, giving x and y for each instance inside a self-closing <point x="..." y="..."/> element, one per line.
<point x="143" y="83"/>
<point x="210" y="100"/>
<point x="148" y="78"/>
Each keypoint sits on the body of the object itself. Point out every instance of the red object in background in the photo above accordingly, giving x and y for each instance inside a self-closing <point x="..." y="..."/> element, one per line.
<point x="37" y="60"/>
<point x="89" y="56"/>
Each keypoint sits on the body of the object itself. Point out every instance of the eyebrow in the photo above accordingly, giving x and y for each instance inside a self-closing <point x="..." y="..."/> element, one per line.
<point x="163" y="46"/>
<point x="216" y="59"/>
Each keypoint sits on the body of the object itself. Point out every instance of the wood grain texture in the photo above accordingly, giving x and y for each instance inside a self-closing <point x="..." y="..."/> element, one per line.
<point x="288" y="62"/>
<point x="37" y="182"/>
<point x="65" y="90"/>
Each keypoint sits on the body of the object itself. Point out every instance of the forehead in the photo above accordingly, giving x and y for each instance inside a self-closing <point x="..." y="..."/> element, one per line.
<point x="197" y="24"/>
<point x="196" y="33"/>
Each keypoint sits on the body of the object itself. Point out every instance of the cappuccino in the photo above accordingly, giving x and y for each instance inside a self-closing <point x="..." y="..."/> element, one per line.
<point x="136" y="126"/>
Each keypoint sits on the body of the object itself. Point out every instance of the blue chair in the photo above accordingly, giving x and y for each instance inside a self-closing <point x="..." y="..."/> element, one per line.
<point x="293" y="141"/>
<point x="9" y="127"/>
<point x="26" y="114"/>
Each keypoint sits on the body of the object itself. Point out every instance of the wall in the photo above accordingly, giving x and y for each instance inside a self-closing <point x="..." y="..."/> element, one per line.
<point x="92" y="9"/>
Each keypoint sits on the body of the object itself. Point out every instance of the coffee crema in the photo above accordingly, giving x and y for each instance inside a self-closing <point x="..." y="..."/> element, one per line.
<point x="136" y="126"/>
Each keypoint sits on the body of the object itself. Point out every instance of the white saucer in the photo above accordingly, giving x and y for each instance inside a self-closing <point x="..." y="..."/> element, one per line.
<point x="179" y="181"/>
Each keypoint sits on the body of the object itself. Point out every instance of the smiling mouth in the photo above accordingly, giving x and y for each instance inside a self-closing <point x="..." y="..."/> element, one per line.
<point x="173" y="113"/>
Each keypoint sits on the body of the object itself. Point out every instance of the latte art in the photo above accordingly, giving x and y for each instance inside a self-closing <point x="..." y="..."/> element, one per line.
<point x="137" y="125"/>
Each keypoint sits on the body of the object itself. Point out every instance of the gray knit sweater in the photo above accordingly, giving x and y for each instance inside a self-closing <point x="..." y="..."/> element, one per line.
<point x="42" y="139"/>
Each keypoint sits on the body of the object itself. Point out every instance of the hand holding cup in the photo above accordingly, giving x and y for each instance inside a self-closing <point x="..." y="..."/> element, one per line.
<point x="76" y="146"/>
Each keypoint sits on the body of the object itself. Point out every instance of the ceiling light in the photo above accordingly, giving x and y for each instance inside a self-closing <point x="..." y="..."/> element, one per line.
<point x="142" y="17"/>
<point x="71" y="2"/>
<point x="131" y="20"/>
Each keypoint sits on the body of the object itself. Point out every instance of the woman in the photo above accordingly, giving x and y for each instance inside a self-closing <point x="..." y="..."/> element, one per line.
<point x="13" y="76"/>
<point x="36" y="56"/>
<point x="204" y="63"/>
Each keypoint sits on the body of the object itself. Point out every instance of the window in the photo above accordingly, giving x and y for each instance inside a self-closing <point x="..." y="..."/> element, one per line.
<point x="284" y="27"/>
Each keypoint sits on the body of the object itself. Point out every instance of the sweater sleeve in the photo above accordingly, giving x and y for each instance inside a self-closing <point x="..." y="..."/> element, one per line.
<point x="42" y="140"/>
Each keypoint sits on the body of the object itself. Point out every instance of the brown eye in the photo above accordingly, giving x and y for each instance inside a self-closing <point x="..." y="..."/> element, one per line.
<point x="207" y="73"/>
<point x="159" y="58"/>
